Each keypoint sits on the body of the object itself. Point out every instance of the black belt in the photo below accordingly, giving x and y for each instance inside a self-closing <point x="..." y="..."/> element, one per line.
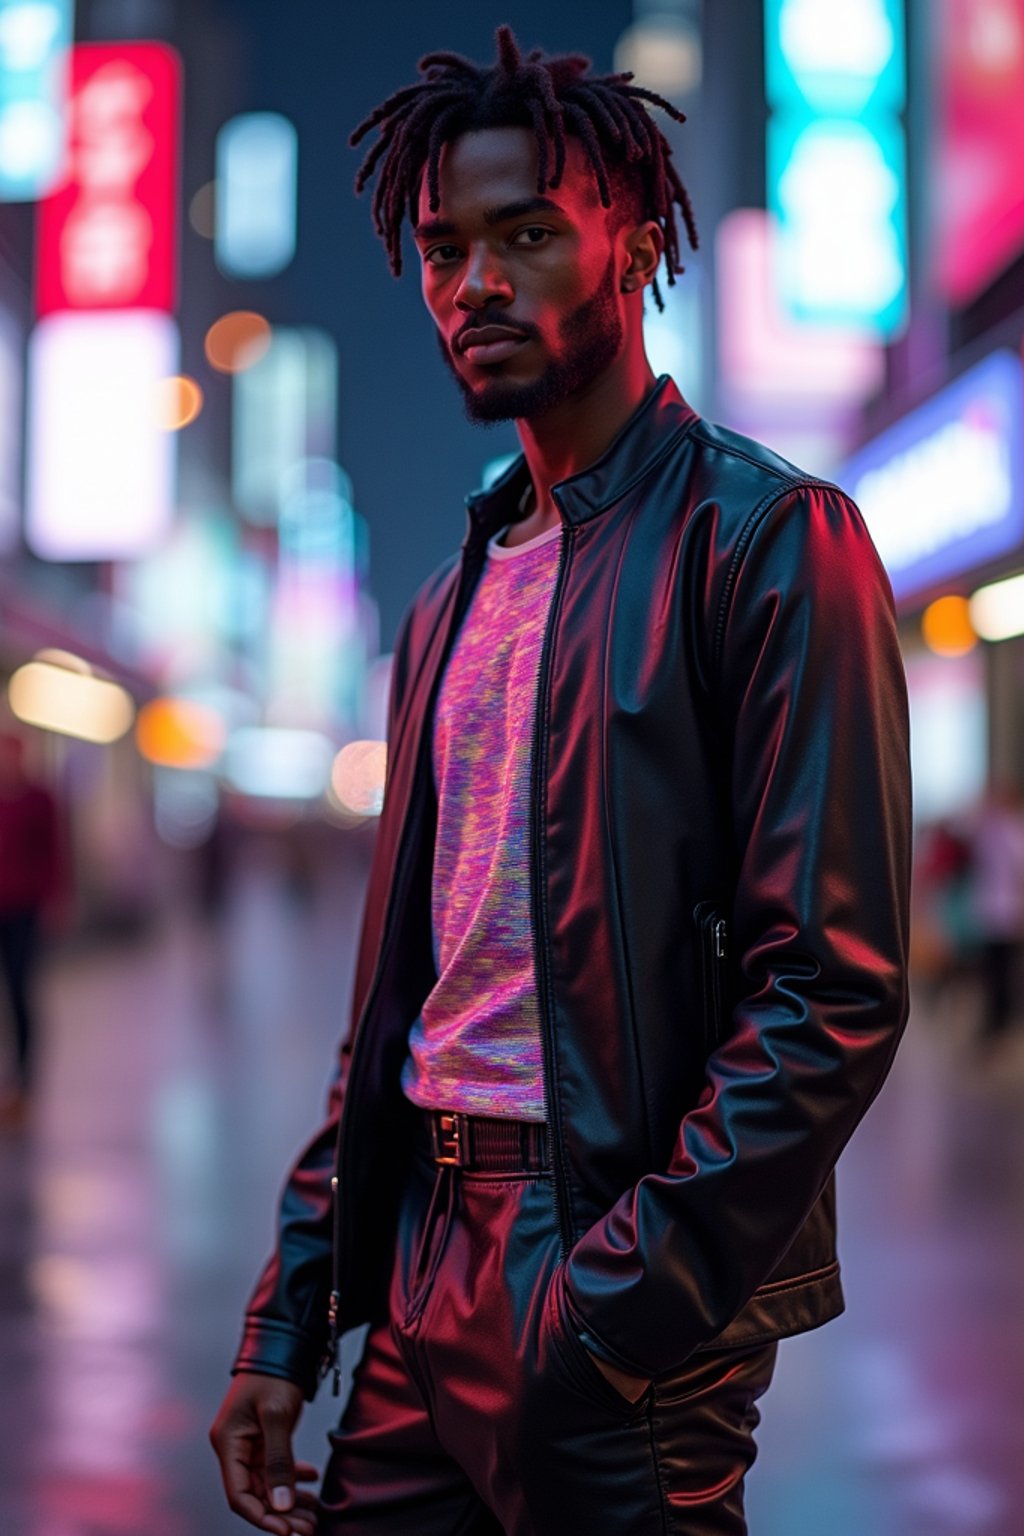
<point x="483" y="1143"/>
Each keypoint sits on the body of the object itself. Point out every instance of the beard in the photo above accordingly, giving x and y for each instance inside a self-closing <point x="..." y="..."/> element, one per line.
<point x="590" y="337"/>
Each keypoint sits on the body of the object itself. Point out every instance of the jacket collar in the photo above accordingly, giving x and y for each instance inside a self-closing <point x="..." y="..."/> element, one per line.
<point x="659" y="418"/>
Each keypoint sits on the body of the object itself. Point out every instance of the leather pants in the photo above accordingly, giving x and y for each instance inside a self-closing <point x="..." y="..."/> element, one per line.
<point x="476" y="1409"/>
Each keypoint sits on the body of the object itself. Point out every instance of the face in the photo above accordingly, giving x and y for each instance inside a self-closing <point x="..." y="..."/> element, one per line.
<point x="524" y="289"/>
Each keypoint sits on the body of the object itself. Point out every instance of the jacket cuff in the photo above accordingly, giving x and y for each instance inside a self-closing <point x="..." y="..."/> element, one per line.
<point x="276" y="1349"/>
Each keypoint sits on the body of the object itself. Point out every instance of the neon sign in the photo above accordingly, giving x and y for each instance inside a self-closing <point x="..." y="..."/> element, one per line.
<point x="107" y="234"/>
<point x="942" y="491"/>
<point x="35" y="36"/>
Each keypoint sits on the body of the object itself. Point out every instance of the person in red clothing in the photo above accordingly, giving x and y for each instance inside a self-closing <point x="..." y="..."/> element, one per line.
<point x="29" y="883"/>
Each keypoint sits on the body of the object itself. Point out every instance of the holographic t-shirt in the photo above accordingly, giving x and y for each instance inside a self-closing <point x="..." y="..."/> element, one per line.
<point x="476" y="1045"/>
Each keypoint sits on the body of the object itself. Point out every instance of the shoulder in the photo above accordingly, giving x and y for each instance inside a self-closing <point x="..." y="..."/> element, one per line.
<point x="747" y="472"/>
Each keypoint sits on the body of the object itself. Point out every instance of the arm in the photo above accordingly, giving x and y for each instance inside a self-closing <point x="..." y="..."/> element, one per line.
<point x="813" y="712"/>
<point x="285" y="1332"/>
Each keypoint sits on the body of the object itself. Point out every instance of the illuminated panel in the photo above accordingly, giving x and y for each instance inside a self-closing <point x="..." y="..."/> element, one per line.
<point x="12" y="389"/>
<point x="836" y="58"/>
<point x="978" y="194"/>
<point x="948" y="733"/>
<point x="283" y="411"/>
<point x="107" y="234"/>
<point x="837" y="187"/>
<point x="70" y="702"/>
<point x="766" y="359"/>
<point x="100" y="469"/>
<point x="673" y="336"/>
<point x="257" y="168"/>
<point x="942" y="491"/>
<point x="997" y="611"/>
<point x="271" y="763"/>
<point x="35" y="36"/>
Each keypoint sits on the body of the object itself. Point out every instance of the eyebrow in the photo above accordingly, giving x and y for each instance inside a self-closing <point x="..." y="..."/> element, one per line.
<point x="432" y="227"/>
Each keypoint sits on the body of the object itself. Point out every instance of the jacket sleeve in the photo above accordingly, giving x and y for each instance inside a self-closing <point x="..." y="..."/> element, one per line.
<point x="285" y="1329"/>
<point x="813" y="718"/>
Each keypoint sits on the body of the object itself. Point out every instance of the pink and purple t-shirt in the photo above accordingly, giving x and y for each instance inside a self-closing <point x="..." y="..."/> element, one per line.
<point x="476" y="1045"/>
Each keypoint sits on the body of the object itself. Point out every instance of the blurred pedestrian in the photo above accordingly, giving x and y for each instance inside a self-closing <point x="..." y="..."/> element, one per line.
<point x="633" y="963"/>
<point x="997" y="903"/>
<point x="30" y="882"/>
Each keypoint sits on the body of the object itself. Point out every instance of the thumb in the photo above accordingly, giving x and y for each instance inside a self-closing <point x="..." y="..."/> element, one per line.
<point x="279" y="1464"/>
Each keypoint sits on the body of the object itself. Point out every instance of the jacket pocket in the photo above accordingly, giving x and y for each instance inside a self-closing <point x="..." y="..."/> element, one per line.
<point x="713" y="951"/>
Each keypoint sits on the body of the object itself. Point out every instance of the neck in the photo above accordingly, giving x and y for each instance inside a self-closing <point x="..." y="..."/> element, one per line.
<point x="578" y="430"/>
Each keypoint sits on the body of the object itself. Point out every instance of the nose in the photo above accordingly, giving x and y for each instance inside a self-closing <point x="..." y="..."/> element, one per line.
<point x="483" y="281"/>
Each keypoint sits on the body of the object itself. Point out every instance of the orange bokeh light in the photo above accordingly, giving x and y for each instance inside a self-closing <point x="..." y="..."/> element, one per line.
<point x="237" y="340"/>
<point x="179" y="400"/>
<point x="947" y="628"/>
<point x="178" y="733"/>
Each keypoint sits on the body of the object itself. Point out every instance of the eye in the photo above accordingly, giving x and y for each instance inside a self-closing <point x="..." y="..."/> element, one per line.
<point x="533" y="229"/>
<point x="438" y="250"/>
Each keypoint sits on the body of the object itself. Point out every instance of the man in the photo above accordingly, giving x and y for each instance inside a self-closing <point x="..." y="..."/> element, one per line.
<point x="31" y="885"/>
<point x="633" y="959"/>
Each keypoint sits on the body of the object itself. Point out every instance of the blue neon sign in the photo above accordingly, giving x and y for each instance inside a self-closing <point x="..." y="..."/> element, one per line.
<point x="845" y="58"/>
<point x="35" y="37"/>
<point x="942" y="491"/>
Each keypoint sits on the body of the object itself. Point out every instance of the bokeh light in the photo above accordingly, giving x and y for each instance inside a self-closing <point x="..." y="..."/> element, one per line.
<point x="357" y="777"/>
<point x="997" y="611"/>
<point x="179" y="733"/>
<point x="202" y="210"/>
<point x="237" y="340"/>
<point x="70" y="701"/>
<point x="947" y="628"/>
<point x="179" y="399"/>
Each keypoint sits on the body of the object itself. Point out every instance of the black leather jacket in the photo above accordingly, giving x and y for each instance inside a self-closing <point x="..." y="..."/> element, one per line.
<point x="720" y="892"/>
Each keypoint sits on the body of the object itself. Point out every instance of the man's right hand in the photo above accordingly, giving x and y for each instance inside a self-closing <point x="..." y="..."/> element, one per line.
<point x="252" y="1435"/>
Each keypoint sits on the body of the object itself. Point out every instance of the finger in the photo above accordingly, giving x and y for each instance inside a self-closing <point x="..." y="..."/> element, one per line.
<point x="305" y="1472"/>
<point x="278" y="1461"/>
<point x="236" y="1475"/>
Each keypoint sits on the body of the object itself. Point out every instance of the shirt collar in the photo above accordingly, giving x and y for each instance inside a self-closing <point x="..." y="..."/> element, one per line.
<point x="660" y="416"/>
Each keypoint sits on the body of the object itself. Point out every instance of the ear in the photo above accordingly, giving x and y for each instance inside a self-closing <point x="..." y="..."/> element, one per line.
<point x="644" y="247"/>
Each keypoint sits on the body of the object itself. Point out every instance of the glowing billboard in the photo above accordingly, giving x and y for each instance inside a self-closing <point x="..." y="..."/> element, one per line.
<point x="942" y="491"/>
<point x="284" y="410"/>
<point x="107" y="234"/>
<point x="838" y="189"/>
<point x="835" y="58"/>
<point x="35" y="36"/>
<point x="978" y="194"/>
<point x="256" y="188"/>
<point x="100" y="467"/>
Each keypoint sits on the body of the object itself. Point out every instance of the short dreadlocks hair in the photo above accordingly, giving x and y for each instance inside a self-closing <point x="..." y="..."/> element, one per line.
<point x="628" y="154"/>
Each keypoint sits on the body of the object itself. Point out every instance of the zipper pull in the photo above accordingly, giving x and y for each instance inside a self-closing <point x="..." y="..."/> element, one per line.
<point x="331" y="1361"/>
<point x="721" y="950"/>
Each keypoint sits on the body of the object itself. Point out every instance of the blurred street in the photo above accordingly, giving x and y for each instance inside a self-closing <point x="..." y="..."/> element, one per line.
<point x="178" y="1075"/>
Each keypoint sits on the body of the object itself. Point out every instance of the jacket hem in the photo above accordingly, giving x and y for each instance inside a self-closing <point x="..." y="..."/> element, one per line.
<point x="782" y="1308"/>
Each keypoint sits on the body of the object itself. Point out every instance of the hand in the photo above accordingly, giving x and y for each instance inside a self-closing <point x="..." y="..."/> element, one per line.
<point x="252" y="1435"/>
<point x="632" y="1388"/>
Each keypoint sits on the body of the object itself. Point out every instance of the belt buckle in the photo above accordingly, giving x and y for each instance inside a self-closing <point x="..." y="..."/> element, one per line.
<point x="447" y="1137"/>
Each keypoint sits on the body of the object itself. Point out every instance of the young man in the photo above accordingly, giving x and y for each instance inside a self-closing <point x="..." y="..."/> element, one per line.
<point x="633" y="959"/>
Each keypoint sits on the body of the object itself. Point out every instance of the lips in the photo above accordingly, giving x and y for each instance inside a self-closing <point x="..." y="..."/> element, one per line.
<point x="491" y="344"/>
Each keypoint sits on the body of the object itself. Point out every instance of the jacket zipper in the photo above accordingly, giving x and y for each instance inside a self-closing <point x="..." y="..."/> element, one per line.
<point x="342" y="1209"/>
<point x="538" y="778"/>
<point x="713" y="938"/>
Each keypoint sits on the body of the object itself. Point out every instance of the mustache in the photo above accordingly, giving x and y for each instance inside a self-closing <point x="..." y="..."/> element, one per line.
<point x="483" y="319"/>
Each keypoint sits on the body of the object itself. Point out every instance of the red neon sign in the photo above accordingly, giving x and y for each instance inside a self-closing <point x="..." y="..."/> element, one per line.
<point x="107" y="234"/>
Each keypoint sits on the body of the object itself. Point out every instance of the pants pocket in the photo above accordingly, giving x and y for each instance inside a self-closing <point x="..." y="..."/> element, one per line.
<point x="578" y="1362"/>
<point x="428" y="1248"/>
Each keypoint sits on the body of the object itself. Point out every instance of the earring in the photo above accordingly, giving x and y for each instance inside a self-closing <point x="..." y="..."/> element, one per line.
<point x="628" y="285"/>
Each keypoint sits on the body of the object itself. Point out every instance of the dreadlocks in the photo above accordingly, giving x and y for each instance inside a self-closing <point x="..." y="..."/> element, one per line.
<point x="626" y="149"/>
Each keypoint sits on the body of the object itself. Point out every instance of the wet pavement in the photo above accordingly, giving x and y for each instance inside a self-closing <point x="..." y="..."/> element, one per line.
<point x="180" y="1076"/>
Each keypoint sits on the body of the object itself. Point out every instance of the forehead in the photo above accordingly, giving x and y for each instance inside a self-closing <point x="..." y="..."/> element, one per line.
<point x="492" y="166"/>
